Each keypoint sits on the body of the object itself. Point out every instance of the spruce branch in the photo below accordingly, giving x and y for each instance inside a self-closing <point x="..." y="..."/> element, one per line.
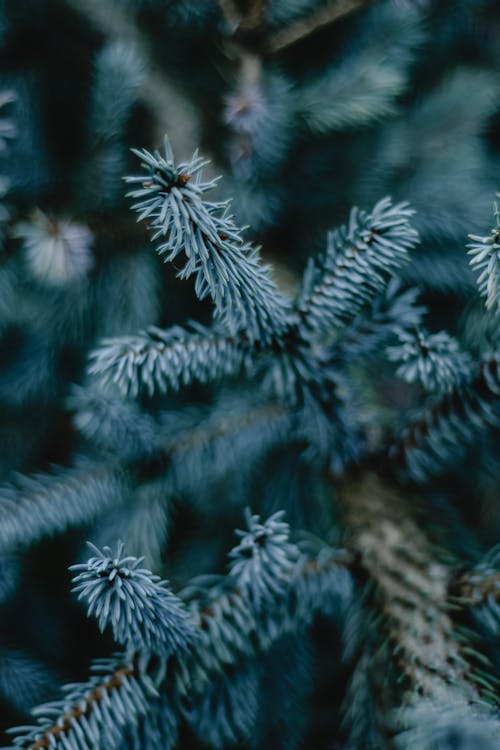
<point x="411" y="593"/>
<point x="393" y="312"/>
<point x="243" y="21"/>
<point x="93" y="714"/>
<point x="121" y="695"/>
<point x="156" y="360"/>
<point x="225" y="268"/>
<point x="365" y="85"/>
<point x="233" y="623"/>
<point x="231" y="13"/>
<point x="185" y="454"/>
<point x="358" y="262"/>
<point x="143" y="613"/>
<point x="434" y="360"/>
<point x="119" y="77"/>
<point x="232" y="438"/>
<point x="443" y="431"/>
<point x="411" y="582"/>
<point x="263" y="558"/>
<point x="485" y="260"/>
<point x="44" y="504"/>
<point x="57" y="250"/>
<point x="167" y="102"/>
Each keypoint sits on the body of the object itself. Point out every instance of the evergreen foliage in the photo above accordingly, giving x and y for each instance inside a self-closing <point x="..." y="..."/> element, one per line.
<point x="335" y="392"/>
<point x="485" y="259"/>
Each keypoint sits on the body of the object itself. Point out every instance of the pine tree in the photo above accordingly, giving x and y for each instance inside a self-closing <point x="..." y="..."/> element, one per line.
<point x="332" y="395"/>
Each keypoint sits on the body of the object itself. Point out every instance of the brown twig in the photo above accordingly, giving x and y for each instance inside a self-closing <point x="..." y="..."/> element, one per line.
<point x="86" y="706"/>
<point x="304" y="27"/>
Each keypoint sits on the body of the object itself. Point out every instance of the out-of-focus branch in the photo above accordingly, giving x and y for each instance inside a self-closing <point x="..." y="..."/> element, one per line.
<point x="304" y="27"/>
<point x="230" y="13"/>
<point x="172" y="112"/>
<point x="411" y="585"/>
<point x="473" y="593"/>
<point x="240" y="20"/>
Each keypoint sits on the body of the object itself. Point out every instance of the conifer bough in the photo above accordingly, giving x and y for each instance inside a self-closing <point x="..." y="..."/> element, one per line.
<point x="184" y="653"/>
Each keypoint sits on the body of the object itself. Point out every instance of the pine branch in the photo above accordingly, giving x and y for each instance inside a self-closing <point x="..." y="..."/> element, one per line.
<point x="117" y="87"/>
<point x="156" y="361"/>
<point x="227" y="713"/>
<point x="231" y="627"/>
<point x="24" y="680"/>
<point x="95" y="714"/>
<point x="239" y="21"/>
<point x="143" y="613"/>
<point x="167" y="102"/>
<point x="225" y="268"/>
<point x="434" y="157"/>
<point x="257" y="114"/>
<point x="45" y="504"/>
<point x="441" y="273"/>
<point x="485" y="252"/>
<point x="10" y="575"/>
<point x="475" y="590"/>
<point x="232" y="438"/>
<point x="263" y="559"/>
<point x="411" y="592"/>
<point x="185" y="455"/>
<point x="440" y="725"/>
<point x="411" y="582"/>
<point x="57" y="250"/>
<point x="357" y="265"/>
<point x="434" y="360"/>
<point x="441" y="433"/>
<point x="365" y="85"/>
<point x="92" y="714"/>
<point x="7" y="126"/>
<point x="231" y="13"/>
<point x="394" y="311"/>
<point x="114" y="424"/>
<point x="368" y="655"/>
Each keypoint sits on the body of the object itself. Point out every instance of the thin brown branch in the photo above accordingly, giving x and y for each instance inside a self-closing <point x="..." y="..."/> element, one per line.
<point x="192" y="439"/>
<point x="85" y="707"/>
<point x="304" y="27"/>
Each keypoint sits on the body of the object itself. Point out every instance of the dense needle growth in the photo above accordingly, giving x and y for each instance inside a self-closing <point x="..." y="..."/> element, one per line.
<point x="280" y="440"/>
